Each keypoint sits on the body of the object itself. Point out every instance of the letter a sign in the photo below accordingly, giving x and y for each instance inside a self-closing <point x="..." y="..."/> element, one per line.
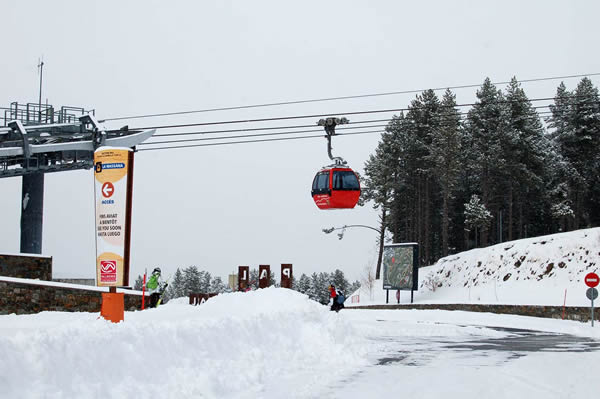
<point x="264" y="276"/>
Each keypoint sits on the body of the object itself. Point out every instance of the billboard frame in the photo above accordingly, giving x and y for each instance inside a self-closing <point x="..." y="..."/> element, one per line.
<point x="414" y="272"/>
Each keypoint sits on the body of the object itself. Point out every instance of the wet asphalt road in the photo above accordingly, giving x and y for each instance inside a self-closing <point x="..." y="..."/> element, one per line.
<point x="517" y="343"/>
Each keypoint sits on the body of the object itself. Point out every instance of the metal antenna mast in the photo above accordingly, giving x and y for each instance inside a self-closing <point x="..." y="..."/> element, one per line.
<point x="41" y="68"/>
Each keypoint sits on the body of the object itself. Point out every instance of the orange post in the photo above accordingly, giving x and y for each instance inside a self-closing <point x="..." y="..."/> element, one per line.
<point x="113" y="306"/>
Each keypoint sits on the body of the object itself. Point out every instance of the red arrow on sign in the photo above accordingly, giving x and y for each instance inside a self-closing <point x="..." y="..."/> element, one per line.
<point x="108" y="189"/>
<point x="591" y="280"/>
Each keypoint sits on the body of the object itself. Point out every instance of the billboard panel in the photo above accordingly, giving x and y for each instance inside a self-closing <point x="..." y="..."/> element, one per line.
<point x="111" y="186"/>
<point x="400" y="266"/>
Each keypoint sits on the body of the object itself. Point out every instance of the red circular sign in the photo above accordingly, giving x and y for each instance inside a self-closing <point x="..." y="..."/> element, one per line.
<point x="591" y="280"/>
<point x="108" y="189"/>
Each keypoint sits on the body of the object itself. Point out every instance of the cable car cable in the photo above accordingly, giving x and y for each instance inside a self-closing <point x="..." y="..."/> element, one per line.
<point x="314" y="116"/>
<point x="256" y="141"/>
<point x="253" y="135"/>
<point x="341" y="98"/>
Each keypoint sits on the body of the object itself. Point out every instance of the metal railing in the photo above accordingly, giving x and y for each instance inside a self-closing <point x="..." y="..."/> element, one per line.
<point x="33" y="113"/>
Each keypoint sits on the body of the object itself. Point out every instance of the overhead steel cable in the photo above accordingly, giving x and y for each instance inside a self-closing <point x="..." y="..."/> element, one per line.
<point x="293" y="117"/>
<point x="255" y="141"/>
<point x="270" y="128"/>
<point x="257" y="135"/>
<point x="276" y="139"/>
<point x="290" y="133"/>
<point x="325" y="99"/>
<point x="260" y="128"/>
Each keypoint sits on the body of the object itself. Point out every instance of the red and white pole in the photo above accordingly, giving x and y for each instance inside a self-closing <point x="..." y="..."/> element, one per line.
<point x="144" y="291"/>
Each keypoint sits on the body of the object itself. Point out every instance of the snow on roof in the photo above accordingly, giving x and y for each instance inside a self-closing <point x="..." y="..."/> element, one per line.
<point x="26" y="255"/>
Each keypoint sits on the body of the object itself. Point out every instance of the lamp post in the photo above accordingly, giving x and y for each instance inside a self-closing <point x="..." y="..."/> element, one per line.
<point x="381" y="233"/>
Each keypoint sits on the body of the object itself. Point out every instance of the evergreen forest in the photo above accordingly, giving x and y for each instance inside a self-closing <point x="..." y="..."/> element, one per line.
<point x="193" y="280"/>
<point x="505" y="168"/>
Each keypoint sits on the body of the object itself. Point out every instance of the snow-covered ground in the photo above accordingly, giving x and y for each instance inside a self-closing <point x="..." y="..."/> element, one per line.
<point x="277" y="343"/>
<point x="546" y="270"/>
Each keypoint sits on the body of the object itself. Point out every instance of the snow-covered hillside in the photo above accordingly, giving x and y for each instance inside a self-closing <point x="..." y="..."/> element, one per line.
<point x="533" y="271"/>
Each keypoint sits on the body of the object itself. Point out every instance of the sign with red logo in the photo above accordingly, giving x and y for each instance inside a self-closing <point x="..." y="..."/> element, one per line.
<point x="113" y="187"/>
<point x="591" y="280"/>
<point x="108" y="271"/>
<point x="108" y="189"/>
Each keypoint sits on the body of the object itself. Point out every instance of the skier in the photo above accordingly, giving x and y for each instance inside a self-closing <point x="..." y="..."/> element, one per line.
<point x="156" y="287"/>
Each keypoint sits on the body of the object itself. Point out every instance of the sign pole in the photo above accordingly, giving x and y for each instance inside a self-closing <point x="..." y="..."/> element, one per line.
<point x="592" y="280"/>
<point x="144" y="291"/>
<point x="387" y="296"/>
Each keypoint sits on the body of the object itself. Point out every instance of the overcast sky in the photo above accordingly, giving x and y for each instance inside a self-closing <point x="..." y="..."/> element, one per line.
<point x="222" y="206"/>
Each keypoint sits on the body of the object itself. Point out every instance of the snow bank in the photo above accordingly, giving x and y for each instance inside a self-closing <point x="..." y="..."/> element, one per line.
<point x="238" y="345"/>
<point x="535" y="271"/>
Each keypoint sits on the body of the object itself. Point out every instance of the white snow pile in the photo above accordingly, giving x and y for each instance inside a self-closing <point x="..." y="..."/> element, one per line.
<point x="546" y="270"/>
<point x="238" y="345"/>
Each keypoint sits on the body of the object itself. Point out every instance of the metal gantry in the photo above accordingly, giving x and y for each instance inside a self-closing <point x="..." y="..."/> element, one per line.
<point x="37" y="139"/>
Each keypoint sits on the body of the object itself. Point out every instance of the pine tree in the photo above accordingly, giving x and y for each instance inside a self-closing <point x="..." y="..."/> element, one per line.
<point x="253" y="279"/>
<point x="216" y="285"/>
<point x="323" y="281"/>
<point x="476" y="215"/>
<point x="489" y="129"/>
<point x="445" y="158"/>
<point x="576" y="123"/>
<point x="525" y="173"/>
<point x="303" y="285"/>
<point x="339" y="281"/>
<point x="204" y="281"/>
<point x="139" y="283"/>
<point x="177" y="285"/>
<point x="191" y="278"/>
<point x="380" y="177"/>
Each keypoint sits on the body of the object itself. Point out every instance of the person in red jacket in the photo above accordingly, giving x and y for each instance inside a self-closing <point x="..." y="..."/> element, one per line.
<point x="333" y="296"/>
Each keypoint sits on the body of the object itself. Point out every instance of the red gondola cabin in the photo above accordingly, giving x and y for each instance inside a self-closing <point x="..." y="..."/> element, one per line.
<point x="336" y="188"/>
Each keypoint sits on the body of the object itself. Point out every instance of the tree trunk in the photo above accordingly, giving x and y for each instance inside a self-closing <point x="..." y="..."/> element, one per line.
<point x="445" y="223"/>
<point x="427" y="221"/>
<point x="381" y="239"/>
<point x="510" y="214"/>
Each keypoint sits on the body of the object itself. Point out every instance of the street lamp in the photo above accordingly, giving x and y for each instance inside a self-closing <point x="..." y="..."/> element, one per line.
<point x="379" y="231"/>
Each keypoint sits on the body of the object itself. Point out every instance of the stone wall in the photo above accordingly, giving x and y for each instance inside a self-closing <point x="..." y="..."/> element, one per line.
<point x="31" y="297"/>
<point x="579" y="313"/>
<point x="26" y="266"/>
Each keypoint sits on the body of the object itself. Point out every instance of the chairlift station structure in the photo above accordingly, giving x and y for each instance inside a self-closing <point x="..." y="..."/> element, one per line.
<point x="36" y="139"/>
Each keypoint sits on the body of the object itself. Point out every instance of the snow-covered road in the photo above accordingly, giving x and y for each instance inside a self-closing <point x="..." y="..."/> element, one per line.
<point x="422" y="354"/>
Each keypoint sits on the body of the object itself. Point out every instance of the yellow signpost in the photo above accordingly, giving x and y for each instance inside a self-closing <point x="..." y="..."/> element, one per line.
<point x="113" y="183"/>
